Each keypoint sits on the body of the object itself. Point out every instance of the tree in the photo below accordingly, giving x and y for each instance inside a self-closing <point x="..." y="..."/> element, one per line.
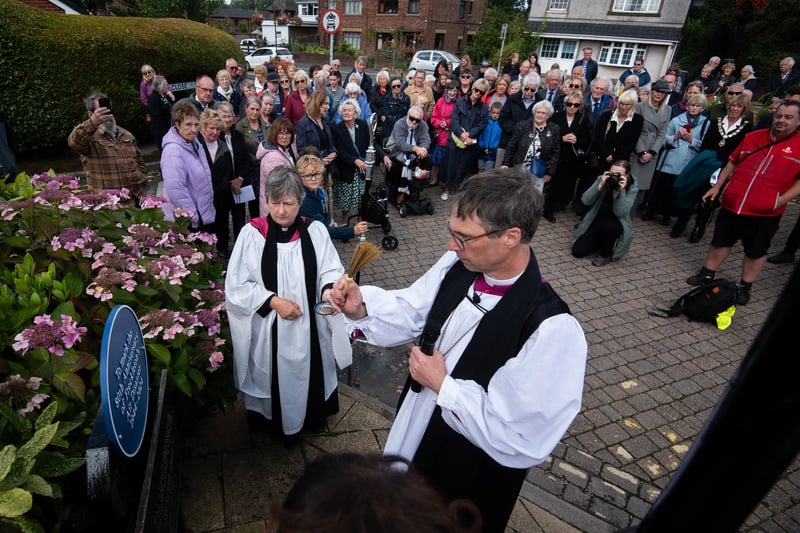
<point x="197" y="10"/>
<point x="486" y="44"/>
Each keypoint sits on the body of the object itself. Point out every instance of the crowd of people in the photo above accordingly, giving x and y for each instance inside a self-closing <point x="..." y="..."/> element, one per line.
<point x="506" y="147"/>
<point x="566" y="127"/>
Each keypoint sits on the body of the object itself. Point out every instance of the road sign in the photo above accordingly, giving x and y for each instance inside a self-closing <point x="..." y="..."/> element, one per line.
<point x="330" y="21"/>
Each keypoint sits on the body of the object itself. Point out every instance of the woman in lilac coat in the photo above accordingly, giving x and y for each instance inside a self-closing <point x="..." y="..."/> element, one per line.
<point x="185" y="170"/>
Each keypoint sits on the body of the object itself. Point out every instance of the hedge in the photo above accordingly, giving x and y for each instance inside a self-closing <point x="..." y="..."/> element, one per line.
<point x="51" y="62"/>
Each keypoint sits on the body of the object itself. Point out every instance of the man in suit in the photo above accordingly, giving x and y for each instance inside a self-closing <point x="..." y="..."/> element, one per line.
<point x="518" y="107"/>
<point x="589" y="65"/>
<point x="598" y="100"/>
<point x="551" y="90"/>
<point x="203" y="93"/>
<point x="782" y="80"/>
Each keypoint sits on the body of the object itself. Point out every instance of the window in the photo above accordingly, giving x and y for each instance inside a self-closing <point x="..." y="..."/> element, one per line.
<point x="637" y="6"/>
<point x="352" y="38"/>
<point x="621" y="54"/>
<point x="413" y="6"/>
<point x="558" y="49"/>
<point x="308" y="10"/>
<point x="383" y="40"/>
<point x="560" y="5"/>
<point x="461" y="9"/>
<point x="331" y="4"/>
<point x="387" y="6"/>
<point x="352" y="7"/>
<point x="438" y="42"/>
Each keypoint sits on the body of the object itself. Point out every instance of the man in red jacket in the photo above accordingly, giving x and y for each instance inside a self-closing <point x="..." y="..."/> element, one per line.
<point x="762" y="176"/>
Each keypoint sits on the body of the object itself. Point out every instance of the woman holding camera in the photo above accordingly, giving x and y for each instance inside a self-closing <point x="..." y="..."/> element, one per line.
<point x="607" y="228"/>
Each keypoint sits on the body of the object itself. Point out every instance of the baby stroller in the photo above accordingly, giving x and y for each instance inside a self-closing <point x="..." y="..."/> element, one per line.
<point x="413" y="203"/>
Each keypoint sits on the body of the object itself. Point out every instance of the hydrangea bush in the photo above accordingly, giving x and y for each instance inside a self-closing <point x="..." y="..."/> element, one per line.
<point x="67" y="257"/>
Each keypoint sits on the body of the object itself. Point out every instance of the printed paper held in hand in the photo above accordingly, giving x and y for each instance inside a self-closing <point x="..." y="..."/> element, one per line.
<point x="246" y="194"/>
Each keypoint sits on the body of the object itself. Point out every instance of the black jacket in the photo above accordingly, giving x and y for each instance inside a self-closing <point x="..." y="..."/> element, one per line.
<point x="513" y="113"/>
<point x="347" y="152"/>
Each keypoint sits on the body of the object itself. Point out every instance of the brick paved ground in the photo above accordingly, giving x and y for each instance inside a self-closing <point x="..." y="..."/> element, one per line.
<point x="651" y="382"/>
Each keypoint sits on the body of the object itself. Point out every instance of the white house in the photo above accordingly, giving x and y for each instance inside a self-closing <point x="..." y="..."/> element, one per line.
<point x="617" y="30"/>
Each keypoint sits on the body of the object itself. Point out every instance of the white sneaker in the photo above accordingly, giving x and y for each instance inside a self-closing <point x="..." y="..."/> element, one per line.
<point x="445" y="196"/>
<point x="403" y="190"/>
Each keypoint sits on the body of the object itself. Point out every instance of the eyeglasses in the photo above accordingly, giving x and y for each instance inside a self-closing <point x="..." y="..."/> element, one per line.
<point x="572" y="104"/>
<point x="414" y="119"/>
<point x="479" y="91"/>
<point x="289" y="133"/>
<point x="731" y="93"/>
<point x="397" y="86"/>
<point x="529" y="89"/>
<point x="461" y="242"/>
<point x="312" y="177"/>
<point x="466" y="76"/>
<point x="284" y="81"/>
<point x="206" y="90"/>
<point x="579" y="86"/>
<point x="299" y="81"/>
<point x="233" y="67"/>
<point x="148" y="72"/>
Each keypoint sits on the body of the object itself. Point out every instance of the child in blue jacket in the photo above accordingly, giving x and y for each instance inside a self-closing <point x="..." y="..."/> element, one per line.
<point x="489" y="139"/>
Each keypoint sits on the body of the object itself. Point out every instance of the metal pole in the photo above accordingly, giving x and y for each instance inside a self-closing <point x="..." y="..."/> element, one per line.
<point x="330" y="59"/>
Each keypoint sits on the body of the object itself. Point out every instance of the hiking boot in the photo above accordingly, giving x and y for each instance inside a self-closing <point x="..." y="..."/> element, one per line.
<point x="781" y="258"/>
<point x="703" y="276"/>
<point x="742" y="294"/>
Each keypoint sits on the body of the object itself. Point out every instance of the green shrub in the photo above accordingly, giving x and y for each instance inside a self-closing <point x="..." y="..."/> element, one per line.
<point x="50" y="62"/>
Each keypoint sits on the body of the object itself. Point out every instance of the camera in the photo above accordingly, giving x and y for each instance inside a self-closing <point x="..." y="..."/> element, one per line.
<point x="613" y="179"/>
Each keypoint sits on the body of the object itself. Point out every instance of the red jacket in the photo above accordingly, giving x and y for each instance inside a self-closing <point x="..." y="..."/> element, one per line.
<point x="759" y="179"/>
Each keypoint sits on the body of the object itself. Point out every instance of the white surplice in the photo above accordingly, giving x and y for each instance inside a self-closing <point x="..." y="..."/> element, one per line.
<point x="252" y="335"/>
<point x="531" y="400"/>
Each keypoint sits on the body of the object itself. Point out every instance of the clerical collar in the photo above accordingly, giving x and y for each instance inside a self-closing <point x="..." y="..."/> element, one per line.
<point x="482" y="286"/>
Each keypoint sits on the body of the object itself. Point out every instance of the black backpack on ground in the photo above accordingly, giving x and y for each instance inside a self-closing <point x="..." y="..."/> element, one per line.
<point x="704" y="303"/>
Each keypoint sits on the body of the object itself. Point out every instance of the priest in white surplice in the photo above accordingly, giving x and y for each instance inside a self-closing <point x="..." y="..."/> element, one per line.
<point x="506" y="376"/>
<point x="280" y="266"/>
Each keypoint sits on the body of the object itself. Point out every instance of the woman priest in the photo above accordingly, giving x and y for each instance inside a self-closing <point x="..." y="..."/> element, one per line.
<point x="285" y="355"/>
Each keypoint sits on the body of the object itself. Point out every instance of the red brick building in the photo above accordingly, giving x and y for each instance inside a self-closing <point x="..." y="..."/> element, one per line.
<point x="371" y="26"/>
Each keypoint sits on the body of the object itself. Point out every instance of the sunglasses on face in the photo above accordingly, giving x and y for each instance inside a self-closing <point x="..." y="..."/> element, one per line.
<point x="572" y="104"/>
<point x="529" y="89"/>
<point x="414" y="119"/>
<point x="465" y="77"/>
<point x="396" y="86"/>
<point x="731" y="93"/>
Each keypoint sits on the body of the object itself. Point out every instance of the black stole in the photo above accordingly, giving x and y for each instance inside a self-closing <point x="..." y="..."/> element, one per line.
<point x="455" y="466"/>
<point x="269" y="273"/>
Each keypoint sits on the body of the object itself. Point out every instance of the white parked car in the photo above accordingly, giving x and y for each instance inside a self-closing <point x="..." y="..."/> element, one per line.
<point x="266" y="54"/>
<point x="428" y="59"/>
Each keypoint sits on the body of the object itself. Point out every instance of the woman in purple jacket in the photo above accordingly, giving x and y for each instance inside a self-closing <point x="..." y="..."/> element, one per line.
<point x="185" y="170"/>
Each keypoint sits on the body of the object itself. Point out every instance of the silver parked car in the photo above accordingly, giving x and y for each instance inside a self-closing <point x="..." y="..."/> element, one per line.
<point x="428" y="59"/>
<point x="266" y="54"/>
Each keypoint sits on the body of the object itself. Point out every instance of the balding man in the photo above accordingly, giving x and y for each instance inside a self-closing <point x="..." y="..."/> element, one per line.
<point x="203" y="93"/>
<point x="782" y="80"/>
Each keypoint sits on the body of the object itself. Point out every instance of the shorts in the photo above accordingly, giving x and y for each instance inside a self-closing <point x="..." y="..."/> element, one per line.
<point x="756" y="233"/>
<point x="485" y="164"/>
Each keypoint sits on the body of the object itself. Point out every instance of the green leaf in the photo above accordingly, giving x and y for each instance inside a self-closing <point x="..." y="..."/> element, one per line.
<point x="15" y="502"/>
<point x="198" y="378"/>
<point x="47" y="415"/>
<point x="51" y="464"/>
<point x="124" y="297"/>
<point x="19" y="472"/>
<point x="70" y="384"/>
<point x="38" y="442"/>
<point x="20" y="423"/>
<point x="7" y="457"/>
<point x="160" y="353"/>
<point x="23" y="524"/>
<point x="38" y="485"/>
<point x="182" y="383"/>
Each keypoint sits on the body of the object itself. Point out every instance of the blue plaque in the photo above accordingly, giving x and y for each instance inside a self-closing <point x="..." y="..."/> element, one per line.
<point x="124" y="381"/>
